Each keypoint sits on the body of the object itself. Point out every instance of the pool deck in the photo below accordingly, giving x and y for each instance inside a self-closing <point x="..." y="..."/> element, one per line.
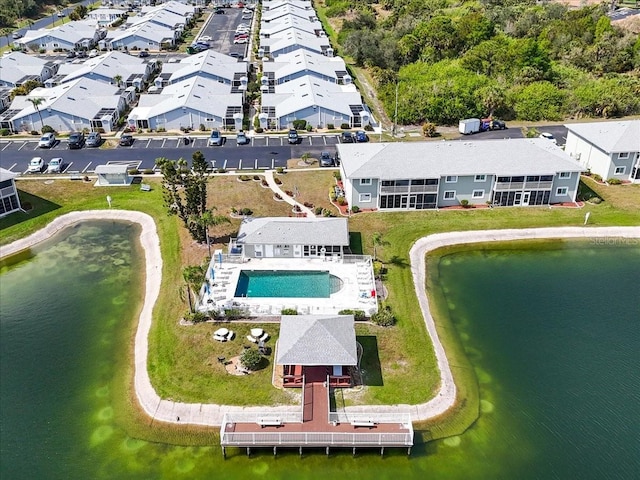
<point x="357" y="284"/>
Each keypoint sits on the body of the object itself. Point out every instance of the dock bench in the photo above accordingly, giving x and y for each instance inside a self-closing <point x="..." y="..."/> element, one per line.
<point x="363" y="423"/>
<point x="269" y="422"/>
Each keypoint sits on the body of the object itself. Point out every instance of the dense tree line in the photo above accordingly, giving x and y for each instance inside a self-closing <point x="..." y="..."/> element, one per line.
<point x="512" y="58"/>
<point x="13" y="10"/>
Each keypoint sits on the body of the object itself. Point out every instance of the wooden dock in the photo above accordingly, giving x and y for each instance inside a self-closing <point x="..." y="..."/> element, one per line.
<point x="315" y="426"/>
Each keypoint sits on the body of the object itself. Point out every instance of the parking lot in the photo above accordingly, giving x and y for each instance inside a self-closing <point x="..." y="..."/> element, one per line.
<point x="221" y="27"/>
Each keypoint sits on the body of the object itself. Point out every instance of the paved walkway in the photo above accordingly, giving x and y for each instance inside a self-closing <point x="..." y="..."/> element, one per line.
<point x="268" y="175"/>
<point x="211" y="414"/>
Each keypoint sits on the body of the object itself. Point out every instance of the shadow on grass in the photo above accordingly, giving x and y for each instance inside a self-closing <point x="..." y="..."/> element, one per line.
<point x="370" y="363"/>
<point x="399" y="262"/>
<point x="34" y="207"/>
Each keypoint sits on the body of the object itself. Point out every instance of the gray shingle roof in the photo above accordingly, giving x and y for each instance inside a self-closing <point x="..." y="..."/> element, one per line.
<point x="317" y="340"/>
<point x="390" y="161"/>
<point x="6" y="175"/>
<point x="611" y="137"/>
<point x="294" y="231"/>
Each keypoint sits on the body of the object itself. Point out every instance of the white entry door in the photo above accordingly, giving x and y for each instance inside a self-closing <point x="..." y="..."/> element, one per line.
<point x="525" y="198"/>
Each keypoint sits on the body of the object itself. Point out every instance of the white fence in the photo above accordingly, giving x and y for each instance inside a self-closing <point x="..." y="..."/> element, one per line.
<point x="317" y="439"/>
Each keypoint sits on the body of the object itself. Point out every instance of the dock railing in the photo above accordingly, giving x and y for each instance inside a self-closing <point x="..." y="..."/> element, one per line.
<point x="325" y="439"/>
<point x="285" y="416"/>
<point x="374" y="417"/>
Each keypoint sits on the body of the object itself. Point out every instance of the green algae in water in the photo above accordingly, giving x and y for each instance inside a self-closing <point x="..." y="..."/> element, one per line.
<point x="56" y="375"/>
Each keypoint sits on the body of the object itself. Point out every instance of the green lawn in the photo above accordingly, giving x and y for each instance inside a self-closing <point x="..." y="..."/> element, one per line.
<point x="399" y="360"/>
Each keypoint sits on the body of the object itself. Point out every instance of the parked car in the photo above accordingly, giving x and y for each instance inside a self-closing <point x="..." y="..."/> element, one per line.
<point x="497" y="125"/>
<point x="247" y="17"/>
<point x="196" y="49"/>
<point x="346" y="137"/>
<point x="326" y="160"/>
<point x="220" y="11"/>
<point x="94" y="139"/>
<point x="76" y="140"/>
<point x="93" y="53"/>
<point x="236" y="55"/>
<point x="246" y="10"/>
<point x="293" y="137"/>
<point x="35" y="165"/>
<point x="239" y="40"/>
<point x="143" y="54"/>
<point x="126" y="140"/>
<point x="200" y="43"/>
<point x="47" y="140"/>
<point x="81" y="54"/>
<point x="55" y="165"/>
<point x="242" y="139"/>
<point x="61" y="14"/>
<point x="71" y="54"/>
<point x="548" y="136"/>
<point x="215" y="139"/>
<point x="16" y="35"/>
<point x="361" y="136"/>
<point x="205" y="38"/>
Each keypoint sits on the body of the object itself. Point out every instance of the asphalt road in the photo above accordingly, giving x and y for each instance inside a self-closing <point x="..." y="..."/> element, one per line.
<point x="558" y="131"/>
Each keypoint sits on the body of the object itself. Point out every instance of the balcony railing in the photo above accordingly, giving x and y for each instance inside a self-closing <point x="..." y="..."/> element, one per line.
<point x="410" y="189"/>
<point x="523" y="185"/>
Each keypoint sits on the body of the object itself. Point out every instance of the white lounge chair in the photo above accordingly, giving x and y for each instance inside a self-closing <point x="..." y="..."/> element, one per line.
<point x="264" y="337"/>
<point x="252" y="339"/>
<point x="230" y="335"/>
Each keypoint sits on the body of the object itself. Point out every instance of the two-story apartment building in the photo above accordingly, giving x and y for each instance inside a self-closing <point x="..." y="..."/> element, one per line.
<point x="608" y="149"/>
<point x="424" y="175"/>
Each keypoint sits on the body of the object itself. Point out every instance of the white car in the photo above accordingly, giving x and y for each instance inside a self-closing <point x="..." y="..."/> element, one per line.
<point x="548" y="136"/>
<point x="205" y="38"/>
<point x="55" y="165"/>
<point x="47" y="140"/>
<point x="246" y="10"/>
<point x="93" y="53"/>
<point x="35" y="165"/>
<point x="241" y="40"/>
<point x="246" y="17"/>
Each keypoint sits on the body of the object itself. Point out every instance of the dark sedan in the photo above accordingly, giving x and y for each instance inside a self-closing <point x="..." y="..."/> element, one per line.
<point x="76" y="140"/>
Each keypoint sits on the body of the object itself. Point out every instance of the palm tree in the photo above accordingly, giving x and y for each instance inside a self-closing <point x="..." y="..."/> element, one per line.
<point x="193" y="276"/>
<point x="36" y="104"/>
<point x="208" y="219"/>
<point x="117" y="79"/>
<point x="377" y="242"/>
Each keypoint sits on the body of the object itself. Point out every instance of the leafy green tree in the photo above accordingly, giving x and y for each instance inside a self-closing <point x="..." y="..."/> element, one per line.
<point x="194" y="277"/>
<point x="539" y="101"/>
<point x="251" y="359"/>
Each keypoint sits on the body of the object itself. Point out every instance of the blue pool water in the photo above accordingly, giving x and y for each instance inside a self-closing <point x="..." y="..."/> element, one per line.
<point x="286" y="284"/>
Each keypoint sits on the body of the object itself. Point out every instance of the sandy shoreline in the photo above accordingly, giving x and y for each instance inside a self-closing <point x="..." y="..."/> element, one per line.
<point x="212" y="414"/>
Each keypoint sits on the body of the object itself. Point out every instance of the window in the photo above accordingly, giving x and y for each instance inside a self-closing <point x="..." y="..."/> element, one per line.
<point x="562" y="191"/>
<point x="365" y="181"/>
<point x="478" y="194"/>
<point x="451" y="179"/>
<point x="480" y="178"/>
<point x="620" y="170"/>
<point x="364" y="197"/>
<point x="565" y="174"/>
<point x="449" y="194"/>
<point x="622" y="155"/>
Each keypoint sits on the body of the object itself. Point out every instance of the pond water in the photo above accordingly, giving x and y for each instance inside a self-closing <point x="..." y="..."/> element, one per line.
<point x="553" y="336"/>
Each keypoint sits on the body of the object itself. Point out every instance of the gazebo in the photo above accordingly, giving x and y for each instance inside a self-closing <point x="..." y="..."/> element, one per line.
<point x="315" y="348"/>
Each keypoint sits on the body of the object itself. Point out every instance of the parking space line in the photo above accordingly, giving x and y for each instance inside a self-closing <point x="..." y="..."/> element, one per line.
<point x="224" y="165"/>
<point x="12" y="166"/>
<point x="163" y="142"/>
<point x="8" y="143"/>
<point x="68" y="167"/>
<point x="324" y="139"/>
<point x="240" y="164"/>
<point x="148" y="143"/>
<point x="178" y="143"/>
<point x="87" y="167"/>
<point x="23" y="144"/>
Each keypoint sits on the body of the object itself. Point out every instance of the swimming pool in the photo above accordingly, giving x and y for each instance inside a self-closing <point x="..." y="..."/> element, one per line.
<point x="287" y="284"/>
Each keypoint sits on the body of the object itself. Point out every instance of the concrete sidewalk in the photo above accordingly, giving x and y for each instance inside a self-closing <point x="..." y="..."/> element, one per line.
<point x="212" y="414"/>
